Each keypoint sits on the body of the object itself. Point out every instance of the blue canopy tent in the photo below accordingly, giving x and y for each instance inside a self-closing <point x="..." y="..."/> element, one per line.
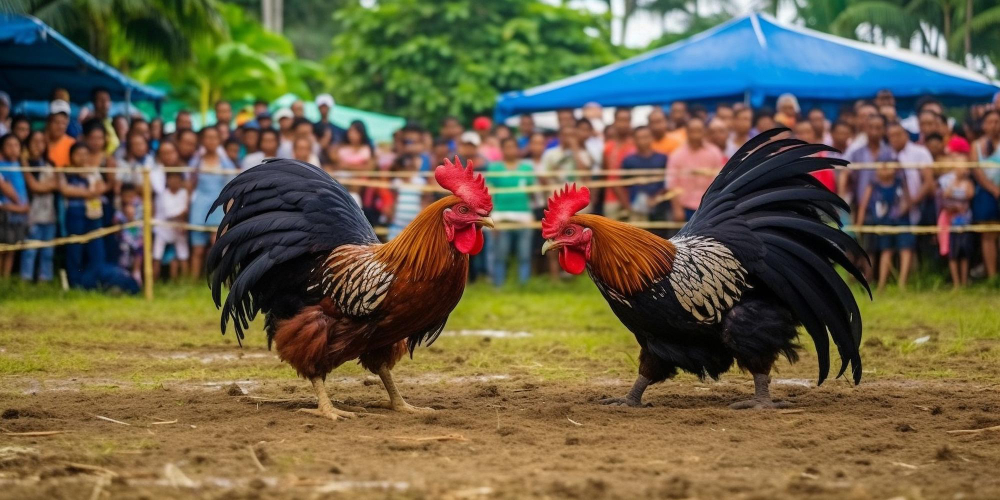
<point x="755" y="59"/>
<point x="35" y="60"/>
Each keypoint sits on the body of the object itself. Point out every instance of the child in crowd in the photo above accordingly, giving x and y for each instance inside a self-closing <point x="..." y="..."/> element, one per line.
<point x="957" y="190"/>
<point x="13" y="201"/>
<point x="42" y="212"/>
<point x="887" y="203"/>
<point x="174" y="206"/>
<point x="233" y="150"/>
<point x="82" y="192"/>
<point x="130" y="239"/>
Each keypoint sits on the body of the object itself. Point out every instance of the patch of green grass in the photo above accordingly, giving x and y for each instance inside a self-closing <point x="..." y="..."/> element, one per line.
<point x="48" y="333"/>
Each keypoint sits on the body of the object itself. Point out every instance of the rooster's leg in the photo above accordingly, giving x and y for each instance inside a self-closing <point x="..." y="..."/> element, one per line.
<point x="395" y="401"/>
<point x="762" y="395"/>
<point x="634" y="396"/>
<point x="325" y="408"/>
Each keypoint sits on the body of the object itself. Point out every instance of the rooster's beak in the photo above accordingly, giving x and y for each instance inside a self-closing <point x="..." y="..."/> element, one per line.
<point x="485" y="222"/>
<point x="550" y="245"/>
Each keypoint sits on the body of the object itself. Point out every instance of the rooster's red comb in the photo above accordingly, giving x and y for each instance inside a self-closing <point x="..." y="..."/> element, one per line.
<point x="464" y="183"/>
<point x="564" y="204"/>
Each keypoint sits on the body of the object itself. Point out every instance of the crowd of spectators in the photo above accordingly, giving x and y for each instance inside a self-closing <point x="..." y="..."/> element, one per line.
<point x="680" y="147"/>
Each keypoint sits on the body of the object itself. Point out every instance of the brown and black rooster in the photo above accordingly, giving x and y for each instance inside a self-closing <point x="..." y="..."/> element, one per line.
<point x="294" y="245"/>
<point x="753" y="263"/>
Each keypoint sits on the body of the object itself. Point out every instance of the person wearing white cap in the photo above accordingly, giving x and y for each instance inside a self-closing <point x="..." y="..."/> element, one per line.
<point x="325" y="130"/>
<point x="4" y="113"/>
<point x="284" y="118"/>
<point x="55" y="133"/>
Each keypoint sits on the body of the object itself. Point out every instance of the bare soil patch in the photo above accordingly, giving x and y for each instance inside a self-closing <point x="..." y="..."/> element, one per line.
<point x="503" y="438"/>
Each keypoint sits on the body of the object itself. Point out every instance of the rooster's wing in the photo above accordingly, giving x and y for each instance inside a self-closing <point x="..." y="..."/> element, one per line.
<point x="281" y="218"/>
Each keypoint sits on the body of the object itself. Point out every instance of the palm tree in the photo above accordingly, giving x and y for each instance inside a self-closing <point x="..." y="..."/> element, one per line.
<point x="142" y="30"/>
<point x="250" y="62"/>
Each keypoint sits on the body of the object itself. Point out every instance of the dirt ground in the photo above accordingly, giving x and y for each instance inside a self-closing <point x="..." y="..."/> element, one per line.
<point x="502" y="437"/>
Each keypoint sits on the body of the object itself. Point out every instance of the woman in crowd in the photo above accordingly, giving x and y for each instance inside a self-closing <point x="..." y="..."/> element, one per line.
<point x="357" y="154"/>
<point x="267" y="147"/>
<point x="20" y="126"/>
<point x="96" y="139"/>
<point x="42" y="210"/>
<point x="206" y="183"/>
<point x="985" y="205"/>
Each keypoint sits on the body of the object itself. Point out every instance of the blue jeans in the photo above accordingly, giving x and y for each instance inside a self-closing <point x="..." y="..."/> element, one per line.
<point x="82" y="257"/>
<point x="518" y="240"/>
<point x="40" y="232"/>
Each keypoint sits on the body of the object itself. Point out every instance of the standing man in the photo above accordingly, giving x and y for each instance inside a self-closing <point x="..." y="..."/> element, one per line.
<point x="224" y="113"/>
<point x="618" y="146"/>
<point x="691" y="169"/>
<point x="298" y="109"/>
<point x="718" y="134"/>
<point x="817" y="119"/>
<point x="525" y="127"/>
<point x="875" y="150"/>
<point x="742" y="124"/>
<point x="678" y="119"/>
<point x="102" y="110"/>
<point x="644" y="158"/>
<point x="451" y="130"/>
<point x="327" y="132"/>
<point x="919" y="182"/>
<point x="659" y="128"/>
<point x="183" y="121"/>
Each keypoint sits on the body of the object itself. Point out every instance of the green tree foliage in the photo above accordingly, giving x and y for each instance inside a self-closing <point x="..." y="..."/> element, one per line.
<point x="250" y="62"/>
<point x="427" y="60"/>
<point x="124" y="31"/>
<point x="308" y="24"/>
<point x="960" y="28"/>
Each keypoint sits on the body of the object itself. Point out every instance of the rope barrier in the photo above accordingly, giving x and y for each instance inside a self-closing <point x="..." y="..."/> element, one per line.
<point x="556" y="173"/>
<point x="69" y="240"/>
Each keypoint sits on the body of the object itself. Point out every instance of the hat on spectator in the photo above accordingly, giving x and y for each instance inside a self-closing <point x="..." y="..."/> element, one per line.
<point x="325" y="100"/>
<point x="5" y="98"/>
<point x="59" y="106"/>
<point x="481" y="123"/>
<point x="253" y="125"/>
<point x="470" y="137"/>
<point x="264" y="115"/>
<point x="282" y="114"/>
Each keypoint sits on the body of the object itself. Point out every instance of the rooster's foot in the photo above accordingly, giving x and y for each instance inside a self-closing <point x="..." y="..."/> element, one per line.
<point x="330" y="413"/>
<point x="626" y="401"/>
<point x="402" y="406"/>
<point x="349" y="408"/>
<point x="759" y="404"/>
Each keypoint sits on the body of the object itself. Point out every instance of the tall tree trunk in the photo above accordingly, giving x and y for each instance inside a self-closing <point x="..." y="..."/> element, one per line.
<point x="968" y="29"/>
<point x="946" y="12"/>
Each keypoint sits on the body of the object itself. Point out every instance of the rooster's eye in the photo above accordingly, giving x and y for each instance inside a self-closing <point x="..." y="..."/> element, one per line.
<point x="569" y="231"/>
<point x="463" y="209"/>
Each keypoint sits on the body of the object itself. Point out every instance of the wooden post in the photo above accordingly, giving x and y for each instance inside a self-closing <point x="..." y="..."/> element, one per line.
<point x="147" y="234"/>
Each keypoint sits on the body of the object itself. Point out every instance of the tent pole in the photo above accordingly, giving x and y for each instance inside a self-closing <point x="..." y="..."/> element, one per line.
<point x="746" y="98"/>
<point x="128" y="105"/>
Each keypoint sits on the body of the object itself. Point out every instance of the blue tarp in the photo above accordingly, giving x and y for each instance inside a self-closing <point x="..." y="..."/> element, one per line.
<point x="35" y="60"/>
<point x="756" y="58"/>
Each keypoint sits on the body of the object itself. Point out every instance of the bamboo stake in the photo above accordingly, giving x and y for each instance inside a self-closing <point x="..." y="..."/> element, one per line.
<point x="147" y="234"/>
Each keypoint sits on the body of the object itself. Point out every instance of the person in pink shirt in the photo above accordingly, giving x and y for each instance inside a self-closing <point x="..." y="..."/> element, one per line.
<point x="691" y="169"/>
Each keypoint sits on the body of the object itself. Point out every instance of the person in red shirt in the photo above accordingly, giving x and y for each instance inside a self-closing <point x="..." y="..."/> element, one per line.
<point x="618" y="145"/>
<point x="804" y="131"/>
